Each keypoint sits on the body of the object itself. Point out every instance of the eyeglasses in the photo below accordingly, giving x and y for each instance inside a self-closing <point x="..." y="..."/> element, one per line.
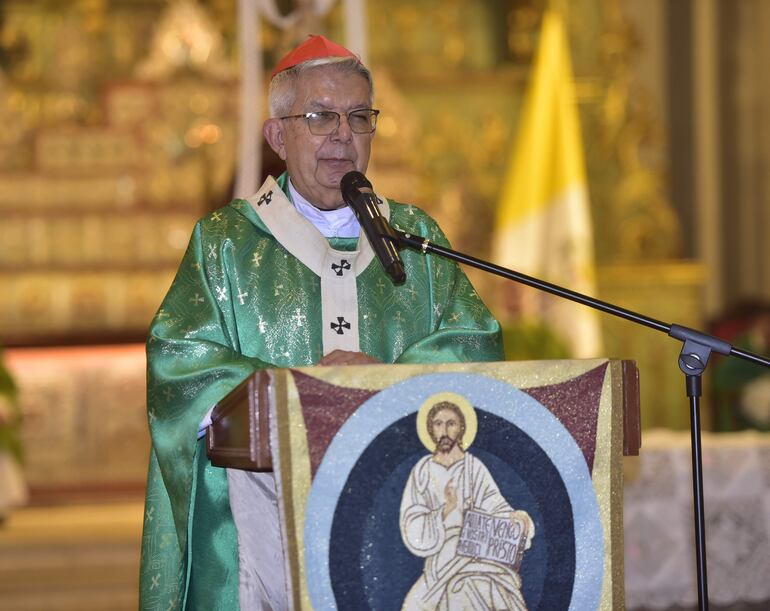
<point x="325" y="122"/>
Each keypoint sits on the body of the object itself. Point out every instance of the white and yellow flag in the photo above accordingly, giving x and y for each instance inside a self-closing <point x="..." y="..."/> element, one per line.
<point x="543" y="225"/>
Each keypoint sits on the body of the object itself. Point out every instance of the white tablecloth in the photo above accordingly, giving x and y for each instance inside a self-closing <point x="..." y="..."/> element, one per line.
<point x="659" y="528"/>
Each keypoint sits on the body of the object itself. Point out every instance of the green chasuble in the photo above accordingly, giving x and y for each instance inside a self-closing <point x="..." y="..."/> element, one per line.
<point x="243" y="301"/>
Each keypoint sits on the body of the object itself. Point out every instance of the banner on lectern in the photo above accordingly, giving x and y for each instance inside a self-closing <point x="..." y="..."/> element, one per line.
<point x="475" y="486"/>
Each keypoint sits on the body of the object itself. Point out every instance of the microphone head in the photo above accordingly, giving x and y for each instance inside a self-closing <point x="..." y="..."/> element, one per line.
<point x="351" y="185"/>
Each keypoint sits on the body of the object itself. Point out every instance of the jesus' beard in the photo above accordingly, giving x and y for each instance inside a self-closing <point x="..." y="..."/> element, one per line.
<point x="445" y="444"/>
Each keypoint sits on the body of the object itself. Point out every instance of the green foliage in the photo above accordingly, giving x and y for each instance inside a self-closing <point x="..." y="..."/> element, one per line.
<point x="7" y="386"/>
<point x="10" y="414"/>
<point x="532" y="341"/>
<point x="737" y="408"/>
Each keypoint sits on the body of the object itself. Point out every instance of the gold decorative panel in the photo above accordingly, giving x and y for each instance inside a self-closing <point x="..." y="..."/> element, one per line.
<point x="104" y="172"/>
<point x="86" y="151"/>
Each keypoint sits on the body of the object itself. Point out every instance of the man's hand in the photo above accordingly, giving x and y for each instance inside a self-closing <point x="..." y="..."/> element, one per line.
<point x="450" y="498"/>
<point x="345" y="357"/>
<point x="521" y="519"/>
<point x="517" y="519"/>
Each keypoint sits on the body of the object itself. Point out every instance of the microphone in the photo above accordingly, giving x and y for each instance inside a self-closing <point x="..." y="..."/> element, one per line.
<point x="358" y="194"/>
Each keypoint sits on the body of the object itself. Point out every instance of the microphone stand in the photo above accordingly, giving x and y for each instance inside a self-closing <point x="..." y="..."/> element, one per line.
<point x="693" y="359"/>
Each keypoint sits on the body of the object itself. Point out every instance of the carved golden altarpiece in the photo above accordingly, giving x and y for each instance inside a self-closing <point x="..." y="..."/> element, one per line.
<point x="111" y="149"/>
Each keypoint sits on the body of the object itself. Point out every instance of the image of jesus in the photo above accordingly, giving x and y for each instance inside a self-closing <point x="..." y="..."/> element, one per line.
<point x="441" y="487"/>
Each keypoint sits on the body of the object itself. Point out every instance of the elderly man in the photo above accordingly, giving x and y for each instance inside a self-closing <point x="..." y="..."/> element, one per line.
<point x="282" y="279"/>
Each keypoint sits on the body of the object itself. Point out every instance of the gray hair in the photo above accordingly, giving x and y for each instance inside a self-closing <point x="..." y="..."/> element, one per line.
<point x="283" y="88"/>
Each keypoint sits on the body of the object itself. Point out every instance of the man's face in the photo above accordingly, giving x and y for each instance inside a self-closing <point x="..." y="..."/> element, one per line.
<point x="316" y="164"/>
<point x="445" y="430"/>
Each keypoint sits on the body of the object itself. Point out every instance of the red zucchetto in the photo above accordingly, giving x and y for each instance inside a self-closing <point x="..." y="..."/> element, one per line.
<point x="314" y="47"/>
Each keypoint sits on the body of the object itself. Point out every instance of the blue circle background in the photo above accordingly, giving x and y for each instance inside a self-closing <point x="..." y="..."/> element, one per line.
<point x="357" y="491"/>
<point x="366" y="529"/>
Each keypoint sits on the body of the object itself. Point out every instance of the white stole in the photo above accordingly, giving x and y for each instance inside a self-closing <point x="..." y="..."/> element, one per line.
<point x="337" y="269"/>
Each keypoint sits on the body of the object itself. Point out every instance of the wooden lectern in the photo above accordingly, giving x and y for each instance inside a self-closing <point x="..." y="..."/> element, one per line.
<point x="351" y="449"/>
<point x="239" y="435"/>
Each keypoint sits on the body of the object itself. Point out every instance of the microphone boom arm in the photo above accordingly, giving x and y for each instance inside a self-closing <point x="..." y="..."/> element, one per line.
<point x="693" y="358"/>
<point x="691" y="337"/>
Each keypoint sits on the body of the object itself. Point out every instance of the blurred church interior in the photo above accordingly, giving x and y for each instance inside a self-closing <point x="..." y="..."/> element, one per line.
<point x="121" y="126"/>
